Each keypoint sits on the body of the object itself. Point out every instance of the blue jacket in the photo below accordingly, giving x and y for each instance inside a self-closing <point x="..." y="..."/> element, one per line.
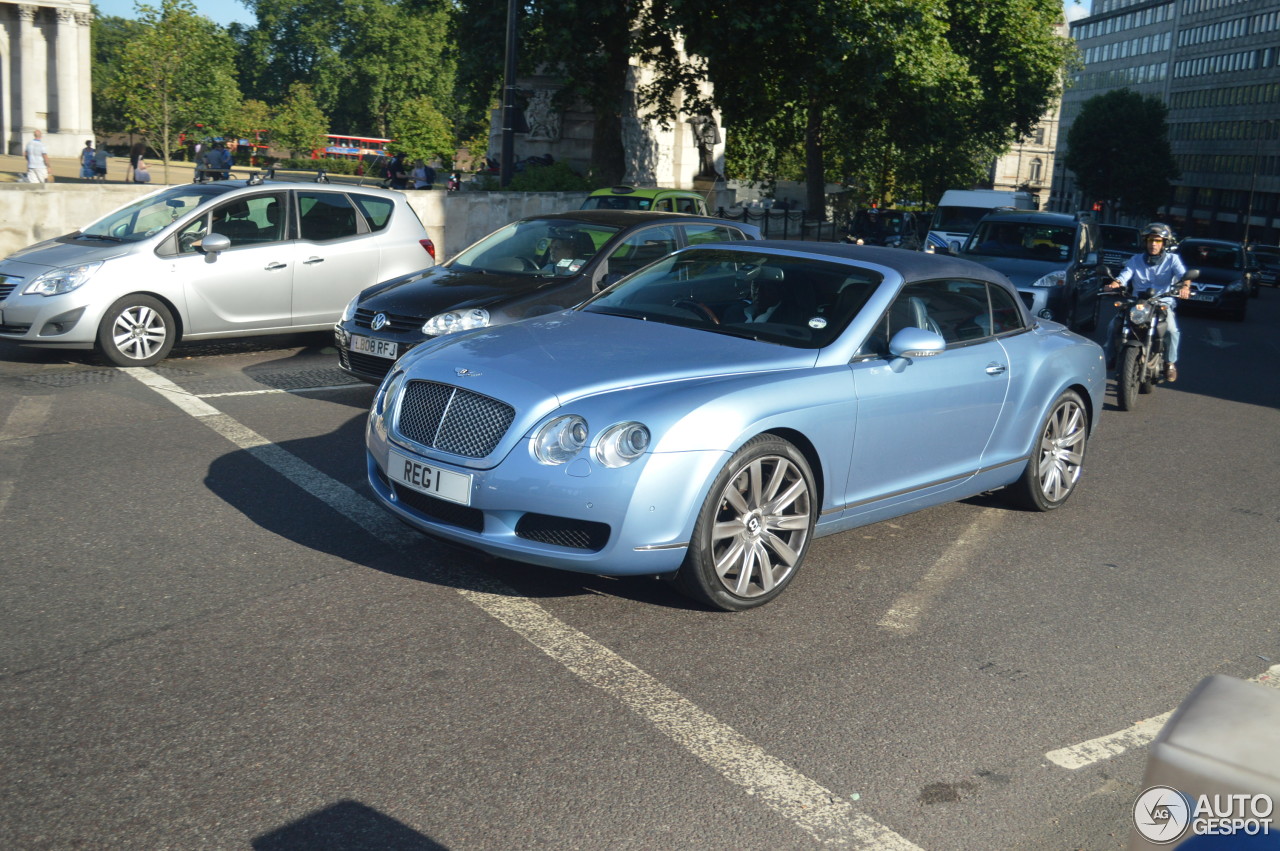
<point x="1160" y="276"/>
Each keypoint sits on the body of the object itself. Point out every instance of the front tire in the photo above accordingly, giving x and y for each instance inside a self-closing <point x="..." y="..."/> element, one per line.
<point x="137" y="330"/>
<point x="754" y="529"/>
<point x="1129" y="378"/>
<point x="1057" y="460"/>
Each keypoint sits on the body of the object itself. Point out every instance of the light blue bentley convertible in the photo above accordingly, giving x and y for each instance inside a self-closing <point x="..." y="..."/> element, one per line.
<point x="709" y="416"/>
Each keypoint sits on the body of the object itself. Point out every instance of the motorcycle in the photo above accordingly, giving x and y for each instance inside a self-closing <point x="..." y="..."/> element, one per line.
<point x="1140" y="341"/>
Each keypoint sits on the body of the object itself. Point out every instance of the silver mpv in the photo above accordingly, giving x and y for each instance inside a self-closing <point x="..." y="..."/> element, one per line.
<point x="209" y="260"/>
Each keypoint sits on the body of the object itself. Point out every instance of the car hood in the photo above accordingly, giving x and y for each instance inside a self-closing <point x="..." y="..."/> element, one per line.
<point x="430" y="291"/>
<point x="59" y="252"/>
<point x="1023" y="273"/>
<point x="539" y="364"/>
<point x="1216" y="276"/>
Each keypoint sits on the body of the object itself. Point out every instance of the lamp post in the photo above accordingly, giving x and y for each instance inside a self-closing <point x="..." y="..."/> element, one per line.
<point x="1253" y="181"/>
<point x="507" y="166"/>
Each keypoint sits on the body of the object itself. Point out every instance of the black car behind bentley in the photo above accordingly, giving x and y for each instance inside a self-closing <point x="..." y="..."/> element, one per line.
<point x="530" y="267"/>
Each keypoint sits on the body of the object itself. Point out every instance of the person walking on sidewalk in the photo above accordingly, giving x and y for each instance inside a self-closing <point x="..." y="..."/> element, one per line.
<point x="38" y="160"/>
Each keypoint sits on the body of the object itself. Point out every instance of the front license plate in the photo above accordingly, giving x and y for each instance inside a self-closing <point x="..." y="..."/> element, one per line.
<point x="1201" y="297"/>
<point x="424" y="478"/>
<point x="372" y="346"/>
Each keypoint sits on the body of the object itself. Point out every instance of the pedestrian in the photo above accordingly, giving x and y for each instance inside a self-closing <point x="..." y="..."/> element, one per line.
<point x="87" y="160"/>
<point x="396" y="172"/>
<point x="37" y="160"/>
<point x="220" y="160"/>
<point x="136" y="153"/>
<point x="100" y="158"/>
<point x="424" y="176"/>
<point x="140" y="172"/>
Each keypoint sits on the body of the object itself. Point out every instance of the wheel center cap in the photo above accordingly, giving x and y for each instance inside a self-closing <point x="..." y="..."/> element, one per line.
<point x="754" y="525"/>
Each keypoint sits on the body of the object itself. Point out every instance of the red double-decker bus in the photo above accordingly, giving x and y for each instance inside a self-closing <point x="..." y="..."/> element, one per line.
<point x="340" y="146"/>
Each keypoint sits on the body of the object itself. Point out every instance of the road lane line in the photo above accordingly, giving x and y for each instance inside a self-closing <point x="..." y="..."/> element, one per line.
<point x="1138" y="735"/>
<point x="822" y="814"/>
<point x="341" y="498"/>
<point x="25" y="421"/>
<point x="905" y="614"/>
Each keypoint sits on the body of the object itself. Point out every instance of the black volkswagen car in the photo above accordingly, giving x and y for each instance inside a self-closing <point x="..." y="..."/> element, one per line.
<point x="530" y="267"/>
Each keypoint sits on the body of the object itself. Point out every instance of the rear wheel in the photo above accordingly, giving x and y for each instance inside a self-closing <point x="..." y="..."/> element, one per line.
<point x="1057" y="460"/>
<point x="1128" y="378"/>
<point x="754" y="529"/>
<point x="137" y="330"/>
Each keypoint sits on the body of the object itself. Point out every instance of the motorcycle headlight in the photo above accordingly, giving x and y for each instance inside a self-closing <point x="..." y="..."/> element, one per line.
<point x="621" y="444"/>
<point x="63" y="280"/>
<point x="560" y="440"/>
<point x="1140" y="314"/>
<point x="454" y="321"/>
<point x="1053" y="279"/>
<point x="350" y="310"/>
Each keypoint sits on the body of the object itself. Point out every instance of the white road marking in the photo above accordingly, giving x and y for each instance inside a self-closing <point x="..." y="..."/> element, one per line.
<point x="24" y="422"/>
<point x="906" y="612"/>
<point x="1139" y="735"/>
<point x="268" y="392"/>
<point x="824" y="815"/>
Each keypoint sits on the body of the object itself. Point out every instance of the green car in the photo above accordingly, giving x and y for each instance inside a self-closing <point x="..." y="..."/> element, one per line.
<point x="635" y="198"/>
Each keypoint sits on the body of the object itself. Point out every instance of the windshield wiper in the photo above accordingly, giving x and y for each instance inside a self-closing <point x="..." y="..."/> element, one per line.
<point x="101" y="236"/>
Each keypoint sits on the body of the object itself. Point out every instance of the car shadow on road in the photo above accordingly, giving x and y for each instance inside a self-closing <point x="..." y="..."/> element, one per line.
<point x="346" y="826"/>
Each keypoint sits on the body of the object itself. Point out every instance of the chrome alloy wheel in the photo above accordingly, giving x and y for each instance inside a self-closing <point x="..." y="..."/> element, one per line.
<point x="762" y="525"/>
<point x="1062" y="450"/>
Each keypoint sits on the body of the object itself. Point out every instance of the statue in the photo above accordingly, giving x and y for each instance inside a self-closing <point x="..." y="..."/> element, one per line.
<point x="706" y="135"/>
<point x="543" y="119"/>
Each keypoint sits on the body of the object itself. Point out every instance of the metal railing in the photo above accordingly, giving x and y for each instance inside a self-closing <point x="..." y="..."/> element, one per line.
<point x="786" y="224"/>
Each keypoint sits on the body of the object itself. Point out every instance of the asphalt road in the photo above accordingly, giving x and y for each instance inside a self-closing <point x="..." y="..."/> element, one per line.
<point x="211" y="641"/>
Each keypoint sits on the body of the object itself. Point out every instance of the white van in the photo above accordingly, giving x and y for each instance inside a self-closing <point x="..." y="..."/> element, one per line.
<point x="960" y="209"/>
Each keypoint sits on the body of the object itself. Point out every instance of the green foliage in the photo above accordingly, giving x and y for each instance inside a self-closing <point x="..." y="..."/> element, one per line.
<point x="1119" y="149"/>
<point x="175" y="74"/>
<point x="361" y="59"/>
<point x="299" y="125"/>
<point x="108" y="35"/>
<point x="422" y="132"/>
<point x="556" y="177"/>
<point x="248" y="119"/>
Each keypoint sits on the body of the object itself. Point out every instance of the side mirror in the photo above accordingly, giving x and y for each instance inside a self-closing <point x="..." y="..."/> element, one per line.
<point x="1191" y="275"/>
<point x="213" y="243"/>
<point x="912" y="342"/>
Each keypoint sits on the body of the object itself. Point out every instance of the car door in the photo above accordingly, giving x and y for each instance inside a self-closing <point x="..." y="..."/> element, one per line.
<point x="922" y="426"/>
<point x="338" y="255"/>
<point x="247" y="287"/>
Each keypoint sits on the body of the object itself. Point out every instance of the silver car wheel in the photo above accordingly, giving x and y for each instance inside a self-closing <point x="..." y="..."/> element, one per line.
<point x="1062" y="450"/>
<point x="761" y="526"/>
<point x="137" y="330"/>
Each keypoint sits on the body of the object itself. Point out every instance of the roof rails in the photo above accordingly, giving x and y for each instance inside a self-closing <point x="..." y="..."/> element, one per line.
<point x="256" y="178"/>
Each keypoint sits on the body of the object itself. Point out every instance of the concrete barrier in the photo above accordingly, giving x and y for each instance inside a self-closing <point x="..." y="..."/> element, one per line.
<point x="30" y="213"/>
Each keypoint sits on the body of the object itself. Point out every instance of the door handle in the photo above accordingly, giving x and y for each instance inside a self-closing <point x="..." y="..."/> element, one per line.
<point x="996" y="368"/>
<point x="311" y="260"/>
<point x="271" y="267"/>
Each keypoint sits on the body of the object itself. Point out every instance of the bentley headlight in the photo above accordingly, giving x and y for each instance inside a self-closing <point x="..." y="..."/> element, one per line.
<point x="621" y="444"/>
<point x="1053" y="279"/>
<point x="1140" y="314"/>
<point x="456" y="320"/>
<point x="560" y="440"/>
<point x="384" y="402"/>
<point x="62" y="280"/>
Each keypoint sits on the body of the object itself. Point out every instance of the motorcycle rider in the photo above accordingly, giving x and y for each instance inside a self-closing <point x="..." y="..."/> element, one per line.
<point x="1157" y="267"/>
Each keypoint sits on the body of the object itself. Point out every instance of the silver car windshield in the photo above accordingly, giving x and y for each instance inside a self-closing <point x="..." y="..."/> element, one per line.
<point x="793" y="301"/>
<point x="536" y="248"/>
<point x="148" y="216"/>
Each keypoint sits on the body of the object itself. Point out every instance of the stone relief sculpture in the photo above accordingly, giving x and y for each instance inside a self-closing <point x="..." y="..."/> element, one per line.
<point x="542" y="117"/>
<point x="706" y="135"/>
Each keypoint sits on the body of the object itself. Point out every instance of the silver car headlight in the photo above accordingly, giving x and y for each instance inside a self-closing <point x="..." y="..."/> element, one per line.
<point x="560" y="440"/>
<point x="456" y="320"/>
<point x="384" y="402"/>
<point x="621" y="444"/>
<point x="1140" y="314"/>
<point x="62" y="280"/>
<point x="350" y="310"/>
<point x="1235" y="287"/>
<point x="1053" y="279"/>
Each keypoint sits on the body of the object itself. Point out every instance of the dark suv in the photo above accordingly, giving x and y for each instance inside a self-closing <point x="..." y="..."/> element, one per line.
<point x="1119" y="244"/>
<point x="1052" y="258"/>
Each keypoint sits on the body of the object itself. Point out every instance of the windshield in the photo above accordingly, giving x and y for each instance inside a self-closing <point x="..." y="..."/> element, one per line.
<point x="1268" y="257"/>
<point x="1021" y="240"/>
<point x="150" y="215"/>
<point x="1201" y="256"/>
<point x="793" y="301"/>
<point x="1118" y="238"/>
<point x="536" y="248"/>
<point x="958" y="219"/>
<point x="617" y="202"/>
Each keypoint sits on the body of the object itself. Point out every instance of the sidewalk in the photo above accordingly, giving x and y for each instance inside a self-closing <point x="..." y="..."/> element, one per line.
<point x="67" y="170"/>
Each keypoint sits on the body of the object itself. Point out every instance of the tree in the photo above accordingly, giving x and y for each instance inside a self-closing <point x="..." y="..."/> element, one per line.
<point x="1118" y="148"/>
<point x="422" y="132"/>
<point x="248" y="120"/>
<point x="176" y="74"/>
<point x="109" y="35"/>
<point x="299" y="125"/>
